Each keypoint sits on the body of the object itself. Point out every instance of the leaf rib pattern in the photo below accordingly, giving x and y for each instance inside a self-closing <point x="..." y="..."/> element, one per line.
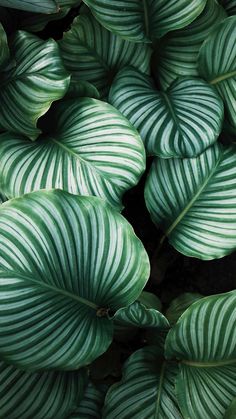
<point x="66" y="254"/>
<point x="181" y="122"/>
<point x="93" y="54"/>
<point x="142" y="21"/>
<point x="4" y="50"/>
<point x="194" y="201"/>
<point x="39" y="6"/>
<point x="92" y="150"/>
<point x="91" y="405"/>
<point x="137" y="315"/>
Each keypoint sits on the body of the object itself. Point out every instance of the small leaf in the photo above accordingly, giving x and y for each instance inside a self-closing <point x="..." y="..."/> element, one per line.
<point x="180" y="304"/>
<point x="150" y="300"/>
<point x="90" y="407"/>
<point x="56" y="287"/>
<point x="29" y="88"/>
<point x="39" y="6"/>
<point x="138" y="315"/>
<point x="4" y="50"/>
<point x="181" y="122"/>
<point x="194" y="202"/>
<point x="142" y="21"/>
<point x="39" y="394"/>
<point x="86" y="51"/>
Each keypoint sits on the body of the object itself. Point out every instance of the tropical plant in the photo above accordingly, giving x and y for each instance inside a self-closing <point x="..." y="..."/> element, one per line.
<point x="91" y="93"/>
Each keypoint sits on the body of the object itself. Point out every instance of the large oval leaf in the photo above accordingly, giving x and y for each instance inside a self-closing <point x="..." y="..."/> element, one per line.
<point x="39" y="6"/>
<point x="220" y="69"/>
<point x="194" y="202"/>
<point x="181" y="122"/>
<point x="28" y="89"/>
<point x="93" y="54"/>
<point x="177" y="52"/>
<point x="39" y="394"/>
<point x="90" y="149"/>
<point x="204" y="339"/>
<point x="60" y="274"/>
<point x="4" y="50"/>
<point x="141" y="21"/>
<point x="146" y="390"/>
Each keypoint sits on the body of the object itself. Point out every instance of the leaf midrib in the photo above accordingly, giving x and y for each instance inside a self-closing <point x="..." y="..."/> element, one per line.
<point x="44" y="285"/>
<point x="208" y="364"/>
<point x="223" y="77"/>
<point x="162" y="375"/>
<point x="193" y="200"/>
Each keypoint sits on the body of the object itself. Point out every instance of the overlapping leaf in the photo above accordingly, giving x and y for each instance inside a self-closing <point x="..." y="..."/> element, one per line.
<point x="146" y="390"/>
<point x="28" y="89"/>
<point x="90" y="149"/>
<point x="90" y="407"/>
<point x="204" y="339"/>
<point x="177" y="52"/>
<point x="138" y="315"/>
<point x="219" y="69"/>
<point x="4" y="50"/>
<point x="230" y="6"/>
<point x="180" y="304"/>
<point x="181" y="122"/>
<point x="92" y="53"/>
<point x="194" y="202"/>
<point x="60" y="274"/>
<point x="39" y="394"/>
<point x="38" y="6"/>
<point x="141" y="21"/>
<point x="230" y="413"/>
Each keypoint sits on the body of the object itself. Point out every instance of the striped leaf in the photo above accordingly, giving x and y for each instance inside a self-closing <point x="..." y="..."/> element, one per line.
<point x="204" y="339"/>
<point x="93" y="54"/>
<point x="194" y="202"/>
<point x="181" y="122"/>
<point x="177" y="52"/>
<point x="138" y="315"/>
<point x="4" y="50"/>
<point x="41" y="395"/>
<point x="90" y="407"/>
<point x="39" y="6"/>
<point x="82" y="88"/>
<point x="230" y="6"/>
<point x="231" y="411"/>
<point x="180" y="304"/>
<point x="57" y="286"/>
<point x="220" y="69"/>
<point x="146" y="390"/>
<point x="29" y="88"/>
<point x="142" y="21"/>
<point x="90" y="149"/>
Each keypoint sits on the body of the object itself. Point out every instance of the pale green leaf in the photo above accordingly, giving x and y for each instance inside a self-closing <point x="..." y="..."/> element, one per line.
<point x="194" y="202"/>
<point x="219" y="69"/>
<point x="88" y="148"/>
<point x="93" y="54"/>
<point x="146" y="390"/>
<point x="177" y="52"/>
<point x="39" y="395"/>
<point x="204" y="340"/>
<point x="60" y="275"/>
<point x="181" y="122"/>
<point x="34" y="82"/>
<point x="39" y="6"/>
<point x="142" y="21"/>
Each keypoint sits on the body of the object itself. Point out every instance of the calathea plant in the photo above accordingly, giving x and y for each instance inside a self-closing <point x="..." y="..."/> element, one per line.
<point x="91" y="93"/>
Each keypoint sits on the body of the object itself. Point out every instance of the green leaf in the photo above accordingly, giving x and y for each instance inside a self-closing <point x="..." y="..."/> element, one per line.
<point x="4" y="50"/>
<point x="204" y="339"/>
<point x="39" y="395"/>
<point x="90" y="407"/>
<point x="138" y="315"/>
<point x="56" y="287"/>
<point x="142" y="21"/>
<point x="82" y="88"/>
<point x="177" y="52"/>
<point x="179" y="305"/>
<point x="230" y="6"/>
<point x="39" y="6"/>
<point x="146" y="390"/>
<point x="231" y="411"/>
<point x="89" y="149"/>
<point x="194" y="202"/>
<point x="29" y="88"/>
<point x="181" y="122"/>
<point x="220" y="69"/>
<point x="93" y="54"/>
<point x="150" y="300"/>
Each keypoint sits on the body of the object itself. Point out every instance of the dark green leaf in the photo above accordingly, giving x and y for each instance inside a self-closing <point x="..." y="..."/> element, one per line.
<point x="38" y="6"/>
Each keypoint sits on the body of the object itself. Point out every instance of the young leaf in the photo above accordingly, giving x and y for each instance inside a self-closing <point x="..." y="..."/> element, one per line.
<point x="146" y="390"/>
<point x="93" y="54"/>
<point x="181" y="122"/>
<point x="177" y="52"/>
<point x="29" y="88"/>
<point x="38" y="6"/>
<point x="142" y="21"/>
<point x="219" y="69"/>
<point x="57" y="286"/>
<point x="90" y="407"/>
<point x="90" y="149"/>
<point x="39" y="394"/>
<point x="138" y="315"/>
<point x="4" y="50"/>
<point x="180" y="304"/>
<point x="204" y="339"/>
<point x="194" y="202"/>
